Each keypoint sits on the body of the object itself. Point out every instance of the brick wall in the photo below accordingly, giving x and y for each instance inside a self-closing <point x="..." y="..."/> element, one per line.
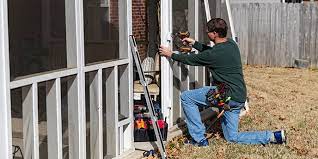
<point x="114" y="18"/>
<point x="113" y="12"/>
<point x="139" y="24"/>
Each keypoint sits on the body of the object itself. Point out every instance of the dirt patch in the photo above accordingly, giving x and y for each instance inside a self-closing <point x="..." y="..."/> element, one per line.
<point x="280" y="98"/>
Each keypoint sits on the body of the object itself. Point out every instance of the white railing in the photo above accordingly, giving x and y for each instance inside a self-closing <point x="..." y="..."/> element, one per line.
<point x="113" y="76"/>
<point x="115" y="132"/>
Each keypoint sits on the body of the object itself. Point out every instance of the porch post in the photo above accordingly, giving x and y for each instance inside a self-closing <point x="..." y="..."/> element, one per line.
<point x="5" y="104"/>
<point x="229" y="12"/>
<point x="76" y="87"/>
<point x="125" y="25"/>
<point x="166" y="70"/>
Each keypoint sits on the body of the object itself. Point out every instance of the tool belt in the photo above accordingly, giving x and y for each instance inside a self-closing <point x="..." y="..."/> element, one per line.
<point x="218" y="97"/>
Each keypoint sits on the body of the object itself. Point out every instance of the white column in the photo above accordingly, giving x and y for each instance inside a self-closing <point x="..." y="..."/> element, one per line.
<point x="125" y="29"/>
<point x="207" y="10"/>
<point x="76" y="91"/>
<point x="5" y="104"/>
<point x="229" y="13"/>
<point x="166" y="71"/>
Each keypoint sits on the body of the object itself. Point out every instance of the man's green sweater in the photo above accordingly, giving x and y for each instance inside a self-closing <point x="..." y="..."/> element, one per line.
<point x="224" y="62"/>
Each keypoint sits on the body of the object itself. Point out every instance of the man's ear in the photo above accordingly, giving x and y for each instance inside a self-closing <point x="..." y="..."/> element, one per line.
<point x="216" y="34"/>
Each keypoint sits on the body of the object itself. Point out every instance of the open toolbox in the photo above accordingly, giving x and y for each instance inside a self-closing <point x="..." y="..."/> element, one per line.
<point x="143" y="129"/>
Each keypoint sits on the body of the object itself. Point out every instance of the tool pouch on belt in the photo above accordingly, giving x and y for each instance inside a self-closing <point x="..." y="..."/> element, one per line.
<point x="217" y="97"/>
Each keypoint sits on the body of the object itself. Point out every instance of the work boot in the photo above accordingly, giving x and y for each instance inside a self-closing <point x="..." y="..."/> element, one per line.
<point x="278" y="137"/>
<point x="189" y="142"/>
<point x="202" y="143"/>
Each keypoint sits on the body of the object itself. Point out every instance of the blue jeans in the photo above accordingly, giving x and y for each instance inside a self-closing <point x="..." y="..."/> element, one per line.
<point x="193" y="99"/>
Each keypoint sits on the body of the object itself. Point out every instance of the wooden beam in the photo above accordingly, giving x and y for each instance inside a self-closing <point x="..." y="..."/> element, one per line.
<point x="41" y="77"/>
<point x="30" y="121"/>
<point x="112" y="143"/>
<point x="96" y="110"/>
<point x="54" y="120"/>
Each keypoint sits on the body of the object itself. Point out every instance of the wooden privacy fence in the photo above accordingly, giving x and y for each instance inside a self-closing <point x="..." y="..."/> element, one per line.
<point x="276" y="34"/>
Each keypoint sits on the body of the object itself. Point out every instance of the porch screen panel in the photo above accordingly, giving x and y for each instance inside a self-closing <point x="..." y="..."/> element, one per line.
<point x="203" y="37"/>
<point x="203" y="77"/>
<point x="180" y="23"/>
<point x="36" y="36"/>
<point x="101" y="29"/>
<point x="179" y="17"/>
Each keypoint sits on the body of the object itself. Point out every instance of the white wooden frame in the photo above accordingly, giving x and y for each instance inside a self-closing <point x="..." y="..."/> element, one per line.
<point x="120" y="133"/>
<point x="229" y="13"/>
<point x="166" y="70"/>
<point x="5" y="103"/>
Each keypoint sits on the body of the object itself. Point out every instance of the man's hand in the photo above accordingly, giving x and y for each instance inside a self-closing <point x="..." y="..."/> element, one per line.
<point x="165" y="51"/>
<point x="188" y="41"/>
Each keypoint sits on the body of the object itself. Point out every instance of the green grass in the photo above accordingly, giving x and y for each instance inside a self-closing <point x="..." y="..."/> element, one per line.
<point x="280" y="98"/>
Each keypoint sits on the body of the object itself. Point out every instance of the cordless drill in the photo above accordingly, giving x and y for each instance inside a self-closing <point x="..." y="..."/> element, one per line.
<point x="183" y="47"/>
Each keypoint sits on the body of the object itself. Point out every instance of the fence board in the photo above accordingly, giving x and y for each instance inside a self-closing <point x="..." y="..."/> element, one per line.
<point x="312" y="35"/>
<point x="284" y="27"/>
<point x="244" y="38"/>
<point x="316" y="41"/>
<point x="289" y="38"/>
<point x="304" y="55"/>
<point x="257" y="33"/>
<point x="270" y="36"/>
<point x="250" y="35"/>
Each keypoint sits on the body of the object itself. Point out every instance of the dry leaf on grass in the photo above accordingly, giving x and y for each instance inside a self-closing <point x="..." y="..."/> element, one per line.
<point x="313" y="152"/>
<point x="300" y="149"/>
<point x="282" y="118"/>
<point x="217" y="136"/>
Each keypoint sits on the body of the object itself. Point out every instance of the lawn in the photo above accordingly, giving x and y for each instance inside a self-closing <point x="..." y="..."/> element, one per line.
<point x="280" y="98"/>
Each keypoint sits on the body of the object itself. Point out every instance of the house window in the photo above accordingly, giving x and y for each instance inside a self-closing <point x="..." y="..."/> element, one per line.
<point x="101" y="29"/>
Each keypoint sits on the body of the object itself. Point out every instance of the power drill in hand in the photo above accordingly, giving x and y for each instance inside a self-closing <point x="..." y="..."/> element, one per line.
<point x="182" y="47"/>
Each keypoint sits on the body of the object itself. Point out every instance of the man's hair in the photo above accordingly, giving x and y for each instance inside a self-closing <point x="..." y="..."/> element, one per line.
<point x="217" y="25"/>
